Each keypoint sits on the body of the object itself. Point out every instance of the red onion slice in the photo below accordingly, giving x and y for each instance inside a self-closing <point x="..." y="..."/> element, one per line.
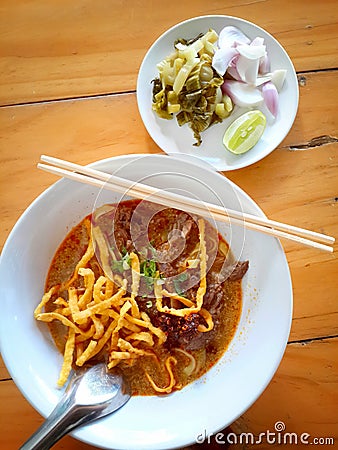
<point x="270" y="95"/>
<point x="222" y="58"/>
<point x="242" y="94"/>
<point x="230" y="35"/>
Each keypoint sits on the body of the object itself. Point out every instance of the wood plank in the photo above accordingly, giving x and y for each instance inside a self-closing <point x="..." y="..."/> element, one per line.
<point x="303" y="395"/>
<point x="303" y="389"/>
<point x="283" y="184"/>
<point x="96" y="54"/>
<point x="4" y="374"/>
<point x="83" y="131"/>
<point x="19" y="420"/>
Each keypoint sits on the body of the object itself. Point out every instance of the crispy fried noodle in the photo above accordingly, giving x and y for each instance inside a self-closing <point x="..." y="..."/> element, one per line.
<point x="103" y="315"/>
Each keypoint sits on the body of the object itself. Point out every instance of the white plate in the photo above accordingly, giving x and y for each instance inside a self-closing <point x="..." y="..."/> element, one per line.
<point x="205" y="406"/>
<point x="177" y="140"/>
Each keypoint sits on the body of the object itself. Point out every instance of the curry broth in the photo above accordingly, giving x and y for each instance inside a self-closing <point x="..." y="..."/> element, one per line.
<point x="205" y="358"/>
<point x="62" y="267"/>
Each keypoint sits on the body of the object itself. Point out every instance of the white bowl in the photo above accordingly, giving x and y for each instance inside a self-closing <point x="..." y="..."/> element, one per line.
<point x="205" y="406"/>
<point x="173" y="139"/>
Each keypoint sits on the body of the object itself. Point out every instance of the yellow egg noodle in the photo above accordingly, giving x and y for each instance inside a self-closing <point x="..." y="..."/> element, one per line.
<point x="102" y="314"/>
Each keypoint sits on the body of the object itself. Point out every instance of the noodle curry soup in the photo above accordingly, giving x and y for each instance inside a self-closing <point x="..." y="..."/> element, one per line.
<point x="152" y="290"/>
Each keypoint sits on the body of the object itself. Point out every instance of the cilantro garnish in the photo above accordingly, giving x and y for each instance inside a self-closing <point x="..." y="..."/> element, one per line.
<point x="123" y="264"/>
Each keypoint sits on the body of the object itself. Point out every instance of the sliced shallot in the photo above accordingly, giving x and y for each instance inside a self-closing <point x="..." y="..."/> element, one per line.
<point x="270" y="95"/>
<point x="264" y="65"/>
<point x="222" y="58"/>
<point x="242" y="94"/>
<point x="278" y="78"/>
<point x="247" y="69"/>
<point x="248" y="61"/>
<point x="257" y="41"/>
<point x="230" y="36"/>
<point x="232" y="71"/>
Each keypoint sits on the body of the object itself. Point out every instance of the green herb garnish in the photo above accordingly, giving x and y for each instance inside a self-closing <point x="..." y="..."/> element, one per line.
<point x="123" y="264"/>
<point x="149" y="270"/>
<point x="178" y="279"/>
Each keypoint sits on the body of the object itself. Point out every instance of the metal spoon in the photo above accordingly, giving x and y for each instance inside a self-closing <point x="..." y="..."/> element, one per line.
<point x="91" y="394"/>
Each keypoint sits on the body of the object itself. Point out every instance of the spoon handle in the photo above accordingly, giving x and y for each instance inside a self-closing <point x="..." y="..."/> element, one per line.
<point x="89" y="395"/>
<point x="53" y="429"/>
<point x="66" y="416"/>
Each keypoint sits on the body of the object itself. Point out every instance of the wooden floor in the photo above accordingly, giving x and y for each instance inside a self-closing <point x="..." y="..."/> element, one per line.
<point x="67" y="88"/>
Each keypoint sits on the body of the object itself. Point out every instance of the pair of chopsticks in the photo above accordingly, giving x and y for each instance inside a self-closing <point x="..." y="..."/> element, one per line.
<point x="104" y="180"/>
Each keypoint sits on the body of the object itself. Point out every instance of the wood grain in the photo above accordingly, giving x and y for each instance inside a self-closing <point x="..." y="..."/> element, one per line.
<point x="303" y="394"/>
<point x="62" y="49"/>
<point x="22" y="420"/>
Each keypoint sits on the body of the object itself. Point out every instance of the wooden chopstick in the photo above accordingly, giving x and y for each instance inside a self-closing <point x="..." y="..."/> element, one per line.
<point x="101" y="179"/>
<point x="127" y="184"/>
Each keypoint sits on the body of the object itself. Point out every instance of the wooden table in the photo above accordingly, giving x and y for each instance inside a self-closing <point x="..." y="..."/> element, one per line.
<point x="67" y="88"/>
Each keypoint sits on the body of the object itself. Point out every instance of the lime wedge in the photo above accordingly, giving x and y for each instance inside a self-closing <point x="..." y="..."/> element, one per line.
<point x="244" y="132"/>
